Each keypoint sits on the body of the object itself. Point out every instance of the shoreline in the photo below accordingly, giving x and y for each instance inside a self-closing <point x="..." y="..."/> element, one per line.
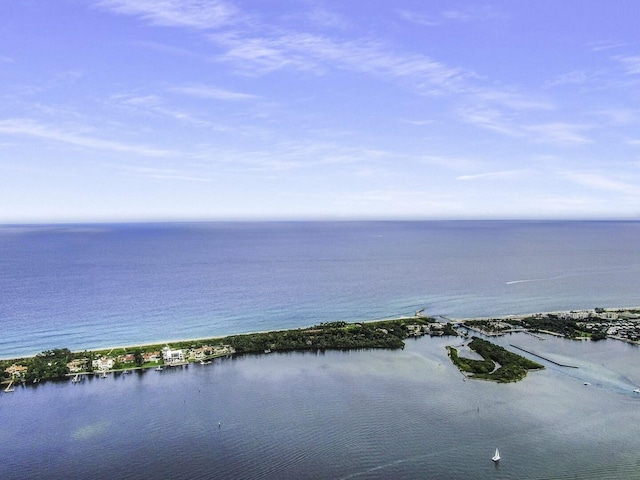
<point x="60" y="362"/>
<point x="202" y="339"/>
<point x="620" y="323"/>
<point x="518" y="316"/>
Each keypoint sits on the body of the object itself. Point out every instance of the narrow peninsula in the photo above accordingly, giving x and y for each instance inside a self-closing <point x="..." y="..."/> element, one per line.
<point x="498" y="364"/>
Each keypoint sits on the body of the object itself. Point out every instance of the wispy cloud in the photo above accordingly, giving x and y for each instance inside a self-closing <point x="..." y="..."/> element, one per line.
<point x="173" y="50"/>
<point x="449" y="162"/>
<point x="210" y="92"/>
<point x="473" y="14"/>
<point x="462" y="15"/>
<point x="162" y="174"/>
<point x="602" y="182"/>
<point x="491" y="175"/>
<point x="420" y="18"/>
<point x="558" y="133"/>
<point x="619" y="116"/>
<point x="490" y="119"/>
<point x="630" y="63"/>
<point x="199" y="14"/>
<point x="254" y="48"/>
<point x="318" y="54"/>
<point x="30" y="128"/>
<point x="155" y="106"/>
<point x="606" y="45"/>
<point x="575" y="77"/>
<point x="412" y="203"/>
<point x="511" y="100"/>
<point x="326" y="18"/>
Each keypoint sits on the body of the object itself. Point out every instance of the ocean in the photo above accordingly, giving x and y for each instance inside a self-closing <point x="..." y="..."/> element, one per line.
<point x="94" y="286"/>
<point x="341" y="415"/>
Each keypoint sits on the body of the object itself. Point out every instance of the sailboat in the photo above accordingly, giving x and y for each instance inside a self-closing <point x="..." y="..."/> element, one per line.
<point x="496" y="456"/>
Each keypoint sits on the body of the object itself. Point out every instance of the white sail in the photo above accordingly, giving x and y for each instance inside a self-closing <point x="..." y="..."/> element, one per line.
<point x="496" y="456"/>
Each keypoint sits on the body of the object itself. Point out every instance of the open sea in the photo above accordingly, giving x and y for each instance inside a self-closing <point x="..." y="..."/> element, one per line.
<point x="360" y="414"/>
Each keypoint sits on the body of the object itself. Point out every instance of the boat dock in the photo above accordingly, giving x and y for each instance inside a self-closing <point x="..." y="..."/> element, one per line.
<point x="543" y="358"/>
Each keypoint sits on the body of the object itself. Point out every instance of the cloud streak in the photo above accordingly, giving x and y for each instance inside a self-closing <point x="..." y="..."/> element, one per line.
<point x="199" y="14"/>
<point x="603" y="182"/>
<point x="491" y="175"/>
<point x="318" y="54"/>
<point x="210" y="92"/>
<point x="30" y="128"/>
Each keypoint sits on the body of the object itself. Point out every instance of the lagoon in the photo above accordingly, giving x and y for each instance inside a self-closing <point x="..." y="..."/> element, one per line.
<point x="359" y="414"/>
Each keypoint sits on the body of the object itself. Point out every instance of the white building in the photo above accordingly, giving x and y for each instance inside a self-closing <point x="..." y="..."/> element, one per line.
<point x="103" y="363"/>
<point x="172" y="357"/>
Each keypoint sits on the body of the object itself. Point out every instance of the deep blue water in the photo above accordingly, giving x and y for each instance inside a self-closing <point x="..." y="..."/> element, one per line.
<point x="91" y="286"/>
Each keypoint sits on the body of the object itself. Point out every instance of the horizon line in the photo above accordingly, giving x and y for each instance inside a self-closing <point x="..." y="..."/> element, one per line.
<point x="328" y="219"/>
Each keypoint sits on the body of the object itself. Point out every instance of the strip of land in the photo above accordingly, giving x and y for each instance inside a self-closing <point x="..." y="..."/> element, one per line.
<point x="61" y="362"/>
<point x="621" y="324"/>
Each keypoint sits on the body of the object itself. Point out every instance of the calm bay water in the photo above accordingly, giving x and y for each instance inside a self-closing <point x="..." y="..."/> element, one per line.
<point x="367" y="414"/>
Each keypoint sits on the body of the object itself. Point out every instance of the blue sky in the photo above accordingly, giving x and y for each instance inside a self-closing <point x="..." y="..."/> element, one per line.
<point x="126" y="110"/>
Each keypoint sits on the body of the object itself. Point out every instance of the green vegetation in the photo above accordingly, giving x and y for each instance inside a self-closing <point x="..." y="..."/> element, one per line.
<point x="599" y="335"/>
<point x="45" y="365"/>
<point x="552" y="323"/>
<point x="56" y="363"/>
<point x="330" y="336"/>
<point x="493" y="325"/>
<point x="512" y="367"/>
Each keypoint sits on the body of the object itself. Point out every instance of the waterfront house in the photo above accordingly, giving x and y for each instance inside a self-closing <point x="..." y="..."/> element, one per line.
<point x="151" y="357"/>
<point x="128" y="358"/>
<point x="172" y="357"/>
<point x="76" y="366"/>
<point x="103" y="363"/>
<point x="200" y="353"/>
<point x="16" y="371"/>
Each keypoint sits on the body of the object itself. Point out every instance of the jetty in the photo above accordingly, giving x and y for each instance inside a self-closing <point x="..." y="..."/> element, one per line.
<point x="543" y="358"/>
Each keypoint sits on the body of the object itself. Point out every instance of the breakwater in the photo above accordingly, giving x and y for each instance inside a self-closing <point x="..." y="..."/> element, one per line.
<point x="543" y="358"/>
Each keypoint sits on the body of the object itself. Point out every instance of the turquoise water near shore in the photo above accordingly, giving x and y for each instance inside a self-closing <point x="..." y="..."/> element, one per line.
<point x="94" y="286"/>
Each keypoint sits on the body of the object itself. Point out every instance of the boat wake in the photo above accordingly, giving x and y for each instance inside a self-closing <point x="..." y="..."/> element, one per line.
<point x="590" y="272"/>
<point x="513" y="282"/>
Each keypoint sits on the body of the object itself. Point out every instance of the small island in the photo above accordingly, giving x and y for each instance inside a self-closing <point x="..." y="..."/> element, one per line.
<point x="497" y="364"/>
